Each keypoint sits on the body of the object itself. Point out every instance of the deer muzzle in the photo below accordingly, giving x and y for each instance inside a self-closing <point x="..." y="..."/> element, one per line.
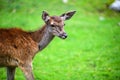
<point x="63" y="35"/>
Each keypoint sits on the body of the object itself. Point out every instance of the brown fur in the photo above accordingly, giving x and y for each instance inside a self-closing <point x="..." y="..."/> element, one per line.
<point x="16" y="47"/>
<point x="34" y="35"/>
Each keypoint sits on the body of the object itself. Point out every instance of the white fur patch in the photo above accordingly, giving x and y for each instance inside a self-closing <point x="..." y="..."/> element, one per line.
<point x="47" y="18"/>
<point x="64" y="17"/>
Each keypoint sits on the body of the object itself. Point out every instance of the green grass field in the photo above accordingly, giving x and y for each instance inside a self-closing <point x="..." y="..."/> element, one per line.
<point x="92" y="49"/>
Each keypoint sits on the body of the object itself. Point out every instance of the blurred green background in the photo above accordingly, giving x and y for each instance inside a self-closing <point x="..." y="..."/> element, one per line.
<point x="92" y="49"/>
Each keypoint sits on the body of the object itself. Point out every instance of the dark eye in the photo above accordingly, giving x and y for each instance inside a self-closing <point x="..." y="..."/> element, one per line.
<point x="52" y="25"/>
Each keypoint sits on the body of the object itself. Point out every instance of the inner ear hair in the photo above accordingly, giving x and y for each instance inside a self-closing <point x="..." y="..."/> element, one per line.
<point x="68" y="15"/>
<point x="45" y="16"/>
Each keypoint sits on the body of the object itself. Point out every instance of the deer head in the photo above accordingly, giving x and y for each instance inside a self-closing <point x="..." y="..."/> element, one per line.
<point x="56" y="23"/>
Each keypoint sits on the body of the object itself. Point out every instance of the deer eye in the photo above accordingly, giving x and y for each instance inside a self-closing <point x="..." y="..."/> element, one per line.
<point x="52" y="25"/>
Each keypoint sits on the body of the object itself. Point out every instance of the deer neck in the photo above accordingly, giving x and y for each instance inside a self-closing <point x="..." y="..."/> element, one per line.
<point x="43" y="37"/>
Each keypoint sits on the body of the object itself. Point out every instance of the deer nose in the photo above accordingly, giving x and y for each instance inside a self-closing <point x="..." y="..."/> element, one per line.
<point x="63" y="35"/>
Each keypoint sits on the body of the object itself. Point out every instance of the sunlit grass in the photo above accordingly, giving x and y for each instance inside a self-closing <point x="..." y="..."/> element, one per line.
<point x="91" y="51"/>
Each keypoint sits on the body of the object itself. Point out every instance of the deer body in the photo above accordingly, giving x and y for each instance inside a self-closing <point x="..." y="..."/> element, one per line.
<point x="18" y="47"/>
<point x="14" y="45"/>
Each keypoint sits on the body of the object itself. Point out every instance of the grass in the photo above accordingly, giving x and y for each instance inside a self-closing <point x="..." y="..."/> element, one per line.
<point x="92" y="49"/>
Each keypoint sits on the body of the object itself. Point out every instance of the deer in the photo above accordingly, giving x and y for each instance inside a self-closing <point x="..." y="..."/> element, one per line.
<point x="18" y="47"/>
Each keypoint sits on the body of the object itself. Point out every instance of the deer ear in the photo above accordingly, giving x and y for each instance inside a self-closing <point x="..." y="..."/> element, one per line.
<point x="67" y="15"/>
<point x="45" y="16"/>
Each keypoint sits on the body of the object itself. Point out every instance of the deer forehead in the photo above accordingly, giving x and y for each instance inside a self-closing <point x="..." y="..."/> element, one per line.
<point x="56" y="20"/>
